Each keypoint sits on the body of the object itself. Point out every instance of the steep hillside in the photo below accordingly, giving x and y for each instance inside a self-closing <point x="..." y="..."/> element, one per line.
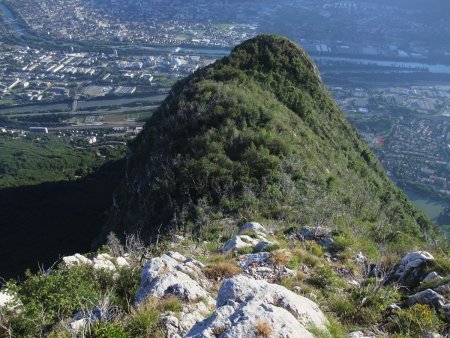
<point x="334" y="249"/>
<point x="256" y="136"/>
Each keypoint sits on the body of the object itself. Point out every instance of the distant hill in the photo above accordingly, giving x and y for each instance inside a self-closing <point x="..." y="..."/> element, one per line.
<point x="256" y="136"/>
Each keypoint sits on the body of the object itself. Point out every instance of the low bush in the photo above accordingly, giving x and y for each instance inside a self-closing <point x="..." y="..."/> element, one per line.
<point x="221" y="270"/>
<point x="109" y="330"/>
<point x="415" y="321"/>
<point x="263" y="329"/>
<point x="324" y="278"/>
<point x="145" y="320"/>
<point x="363" y="305"/>
<point x="280" y="257"/>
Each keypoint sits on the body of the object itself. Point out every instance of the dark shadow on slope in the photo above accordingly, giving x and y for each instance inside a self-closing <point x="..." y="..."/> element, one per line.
<point x="40" y="223"/>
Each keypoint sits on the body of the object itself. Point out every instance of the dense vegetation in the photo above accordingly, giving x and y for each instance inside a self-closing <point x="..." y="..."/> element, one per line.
<point x="256" y="136"/>
<point x="52" y="193"/>
<point x="35" y="159"/>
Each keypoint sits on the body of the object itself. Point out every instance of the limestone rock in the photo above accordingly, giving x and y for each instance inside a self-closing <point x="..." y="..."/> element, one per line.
<point x="251" y="235"/>
<point x="323" y="236"/>
<point x="259" y="266"/>
<point x="103" y="262"/>
<point x="411" y="267"/>
<point x="248" y="260"/>
<point x="173" y="274"/>
<point x="253" y="227"/>
<point x="192" y="314"/>
<point x="10" y="301"/>
<point x="76" y="259"/>
<point x="170" y="323"/>
<point x="6" y="298"/>
<point x="82" y="320"/>
<point x="443" y="289"/>
<point x="427" y="297"/>
<point x="393" y="308"/>
<point x="358" y="334"/>
<point x="244" y="304"/>
<point x="432" y="276"/>
<point x="263" y="245"/>
<point x="121" y="262"/>
<point x="174" y="283"/>
<point x="239" y="242"/>
<point x="432" y="335"/>
<point x="78" y="326"/>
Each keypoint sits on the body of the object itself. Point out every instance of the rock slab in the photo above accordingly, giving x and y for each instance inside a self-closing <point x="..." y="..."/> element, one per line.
<point x="246" y="306"/>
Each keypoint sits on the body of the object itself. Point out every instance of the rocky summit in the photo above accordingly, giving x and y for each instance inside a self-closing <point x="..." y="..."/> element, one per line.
<point x="249" y="208"/>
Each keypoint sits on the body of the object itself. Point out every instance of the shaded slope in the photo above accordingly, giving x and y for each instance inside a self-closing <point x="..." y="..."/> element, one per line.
<point x="40" y="223"/>
<point x="256" y="136"/>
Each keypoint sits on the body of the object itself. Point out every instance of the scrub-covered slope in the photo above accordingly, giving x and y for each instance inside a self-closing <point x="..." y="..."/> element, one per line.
<point x="256" y="136"/>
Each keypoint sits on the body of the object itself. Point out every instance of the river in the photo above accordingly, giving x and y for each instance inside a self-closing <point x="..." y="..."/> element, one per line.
<point x="432" y="68"/>
<point x="9" y="17"/>
<point x="432" y="207"/>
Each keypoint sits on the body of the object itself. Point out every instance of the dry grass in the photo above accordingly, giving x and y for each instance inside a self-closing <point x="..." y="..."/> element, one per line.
<point x="219" y="330"/>
<point x="221" y="270"/>
<point x="263" y="329"/>
<point x="305" y="257"/>
<point x="280" y="257"/>
<point x="145" y="320"/>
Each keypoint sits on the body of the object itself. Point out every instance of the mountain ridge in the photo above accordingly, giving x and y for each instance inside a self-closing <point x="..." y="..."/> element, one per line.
<point x="258" y="122"/>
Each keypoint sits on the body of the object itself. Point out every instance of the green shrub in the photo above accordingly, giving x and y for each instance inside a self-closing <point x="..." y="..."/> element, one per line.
<point x="324" y="278"/>
<point x="245" y="250"/>
<point x="333" y="330"/>
<point x="109" y="330"/>
<point x="296" y="281"/>
<point x="46" y="298"/>
<point x="363" y="305"/>
<point x="415" y="321"/>
<point x="342" y="306"/>
<point x="145" y="320"/>
<point x="126" y="286"/>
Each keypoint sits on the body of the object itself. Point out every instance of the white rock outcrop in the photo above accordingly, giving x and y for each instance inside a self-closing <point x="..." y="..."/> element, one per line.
<point x="121" y="262"/>
<point x="7" y="299"/>
<point x="251" y="235"/>
<point x="432" y="277"/>
<point x="76" y="259"/>
<point x="323" y="236"/>
<point x="173" y="274"/>
<point x="259" y="266"/>
<point x="427" y="297"/>
<point x="102" y="261"/>
<point x="253" y="227"/>
<point x="411" y="267"/>
<point x="359" y="334"/>
<point x="78" y="326"/>
<point x="245" y="306"/>
<point x="10" y="301"/>
<point x="239" y="242"/>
